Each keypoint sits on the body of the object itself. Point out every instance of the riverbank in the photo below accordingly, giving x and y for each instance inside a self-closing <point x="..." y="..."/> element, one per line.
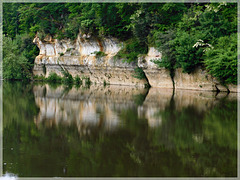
<point x="95" y="60"/>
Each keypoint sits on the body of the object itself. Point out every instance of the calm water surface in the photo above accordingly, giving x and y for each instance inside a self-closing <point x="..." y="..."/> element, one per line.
<point x="57" y="131"/>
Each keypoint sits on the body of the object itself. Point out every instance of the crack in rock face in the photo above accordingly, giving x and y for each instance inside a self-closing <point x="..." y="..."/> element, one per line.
<point x="87" y="56"/>
<point x="91" y="57"/>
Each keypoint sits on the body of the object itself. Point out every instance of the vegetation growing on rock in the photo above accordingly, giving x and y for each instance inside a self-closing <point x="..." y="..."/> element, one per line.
<point x="189" y="35"/>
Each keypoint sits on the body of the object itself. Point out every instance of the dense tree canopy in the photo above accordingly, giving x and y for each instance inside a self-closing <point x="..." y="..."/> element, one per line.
<point x="188" y="34"/>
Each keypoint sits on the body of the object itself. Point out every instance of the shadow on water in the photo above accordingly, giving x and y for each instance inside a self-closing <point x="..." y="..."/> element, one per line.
<point x="117" y="131"/>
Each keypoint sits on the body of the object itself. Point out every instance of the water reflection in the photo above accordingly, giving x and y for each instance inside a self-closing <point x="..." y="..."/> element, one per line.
<point x="57" y="131"/>
<point x="100" y="106"/>
<point x="95" y="106"/>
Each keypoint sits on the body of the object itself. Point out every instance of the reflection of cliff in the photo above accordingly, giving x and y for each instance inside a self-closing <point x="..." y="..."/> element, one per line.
<point x="93" y="107"/>
<point x="158" y="100"/>
<point x="100" y="107"/>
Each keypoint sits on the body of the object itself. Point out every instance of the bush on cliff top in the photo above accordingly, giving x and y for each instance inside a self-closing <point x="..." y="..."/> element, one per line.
<point x="221" y="61"/>
<point x="139" y="25"/>
<point x="130" y="51"/>
<point x="206" y="37"/>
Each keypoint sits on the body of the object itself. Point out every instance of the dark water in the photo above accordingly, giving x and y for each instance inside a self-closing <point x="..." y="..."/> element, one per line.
<point x="55" y="131"/>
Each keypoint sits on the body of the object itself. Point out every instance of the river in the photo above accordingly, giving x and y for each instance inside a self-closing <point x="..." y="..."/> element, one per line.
<point x="54" y="130"/>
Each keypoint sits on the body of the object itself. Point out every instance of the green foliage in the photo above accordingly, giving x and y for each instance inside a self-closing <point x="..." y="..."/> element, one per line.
<point x="130" y="51"/>
<point x="27" y="47"/>
<point x="87" y="81"/>
<point x="150" y="17"/>
<point x="67" y="78"/>
<point x="221" y="61"/>
<point x="138" y="73"/>
<point x="104" y="83"/>
<point x="77" y="80"/>
<point x="11" y="19"/>
<point x="206" y="25"/>
<point x="54" y="78"/>
<point x="69" y="49"/>
<point x="198" y="31"/>
<point x="173" y="28"/>
<point x="39" y="78"/>
<point x="165" y="44"/>
<point x="187" y="57"/>
<point x="99" y="54"/>
<point x="47" y="18"/>
<point x="15" y="63"/>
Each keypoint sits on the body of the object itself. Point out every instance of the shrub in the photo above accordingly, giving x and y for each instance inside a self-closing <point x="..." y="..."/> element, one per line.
<point x="39" y="78"/>
<point x="130" y="51"/>
<point x="221" y="61"/>
<point x="53" y="77"/>
<point x="105" y="83"/>
<point x="187" y="56"/>
<point x="164" y="43"/>
<point x="138" y="73"/>
<point x="99" y="54"/>
<point x="87" y="80"/>
<point x="15" y="62"/>
<point x="77" y="80"/>
<point x="67" y="78"/>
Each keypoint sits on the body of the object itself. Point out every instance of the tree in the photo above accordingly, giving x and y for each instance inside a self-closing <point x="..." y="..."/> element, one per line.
<point x="15" y="64"/>
<point x="221" y="61"/>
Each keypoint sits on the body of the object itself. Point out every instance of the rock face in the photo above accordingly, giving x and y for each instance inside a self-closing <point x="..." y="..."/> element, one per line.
<point x="199" y="80"/>
<point x="157" y="77"/>
<point x="233" y="88"/>
<point x="85" y="57"/>
<point x="93" y="58"/>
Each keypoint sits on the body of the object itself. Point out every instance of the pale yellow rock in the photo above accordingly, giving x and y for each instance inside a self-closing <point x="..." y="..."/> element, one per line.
<point x="152" y="55"/>
<point x="221" y="88"/>
<point x="233" y="88"/>
<point x="157" y="77"/>
<point x="198" y="80"/>
<point x="79" y="58"/>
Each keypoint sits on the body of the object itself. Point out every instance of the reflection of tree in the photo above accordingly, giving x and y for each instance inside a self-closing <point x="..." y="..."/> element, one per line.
<point x="187" y="143"/>
<point x="205" y="142"/>
<point x="18" y="108"/>
<point x="86" y="108"/>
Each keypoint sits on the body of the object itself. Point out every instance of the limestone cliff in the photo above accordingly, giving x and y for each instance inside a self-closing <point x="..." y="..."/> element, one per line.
<point x="160" y="77"/>
<point x="92" y="57"/>
<point x="86" y="57"/>
<point x="157" y="77"/>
